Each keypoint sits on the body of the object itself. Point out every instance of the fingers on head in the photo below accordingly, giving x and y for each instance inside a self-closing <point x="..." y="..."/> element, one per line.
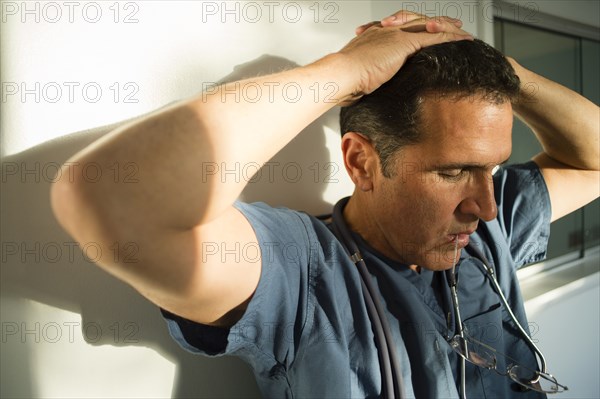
<point x="456" y="22"/>
<point x="363" y="28"/>
<point x="443" y="25"/>
<point x="439" y="25"/>
<point x="415" y="22"/>
<point x="443" y="37"/>
<point x="403" y="17"/>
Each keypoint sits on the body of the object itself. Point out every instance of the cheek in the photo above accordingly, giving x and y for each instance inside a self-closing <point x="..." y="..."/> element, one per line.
<point x="395" y="206"/>
<point x="410" y="204"/>
<point x="440" y="202"/>
<point x="425" y="204"/>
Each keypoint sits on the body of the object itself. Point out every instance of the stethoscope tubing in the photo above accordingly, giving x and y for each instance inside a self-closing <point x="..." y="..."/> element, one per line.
<point x="389" y="363"/>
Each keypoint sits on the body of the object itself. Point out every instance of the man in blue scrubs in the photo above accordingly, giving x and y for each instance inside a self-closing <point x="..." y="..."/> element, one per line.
<point x="428" y="124"/>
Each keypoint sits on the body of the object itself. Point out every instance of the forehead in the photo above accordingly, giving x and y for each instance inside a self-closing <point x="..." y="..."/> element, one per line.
<point x="467" y="130"/>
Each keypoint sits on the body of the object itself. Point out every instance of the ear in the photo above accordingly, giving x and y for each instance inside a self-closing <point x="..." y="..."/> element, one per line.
<point x="360" y="159"/>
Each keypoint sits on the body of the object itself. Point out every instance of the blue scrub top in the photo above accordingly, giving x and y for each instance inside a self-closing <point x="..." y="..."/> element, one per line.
<point x="306" y="331"/>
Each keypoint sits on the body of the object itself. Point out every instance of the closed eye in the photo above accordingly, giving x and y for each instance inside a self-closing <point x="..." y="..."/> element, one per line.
<point x="452" y="174"/>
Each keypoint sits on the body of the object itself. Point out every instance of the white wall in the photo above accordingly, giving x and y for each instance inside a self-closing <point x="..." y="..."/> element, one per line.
<point x="68" y="329"/>
<point x="565" y="324"/>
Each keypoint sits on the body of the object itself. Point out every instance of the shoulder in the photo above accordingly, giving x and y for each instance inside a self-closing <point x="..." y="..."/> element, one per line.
<point x="522" y="228"/>
<point x="294" y="232"/>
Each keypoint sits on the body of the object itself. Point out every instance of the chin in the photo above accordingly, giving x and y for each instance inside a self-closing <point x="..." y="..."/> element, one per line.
<point x="438" y="267"/>
<point x="439" y="260"/>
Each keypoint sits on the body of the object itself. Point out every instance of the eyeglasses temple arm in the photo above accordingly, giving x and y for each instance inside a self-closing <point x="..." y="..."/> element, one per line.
<point x="491" y="274"/>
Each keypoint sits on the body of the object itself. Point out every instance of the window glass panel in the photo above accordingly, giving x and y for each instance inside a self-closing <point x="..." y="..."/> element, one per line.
<point x="557" y="57"/>
<point x="590" y="54"/>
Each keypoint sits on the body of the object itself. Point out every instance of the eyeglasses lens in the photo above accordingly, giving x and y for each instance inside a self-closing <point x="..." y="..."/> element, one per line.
<point x="473" y="353"/>
<point x="541" y="382"/>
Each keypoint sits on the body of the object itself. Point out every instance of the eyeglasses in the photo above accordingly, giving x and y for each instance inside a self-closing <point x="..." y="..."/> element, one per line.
<point x="483" y="355"/>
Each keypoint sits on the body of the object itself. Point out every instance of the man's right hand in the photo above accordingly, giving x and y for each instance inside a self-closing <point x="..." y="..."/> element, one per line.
<point x="382" y="47"/>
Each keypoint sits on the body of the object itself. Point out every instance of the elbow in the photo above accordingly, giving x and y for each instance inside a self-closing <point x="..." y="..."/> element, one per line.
<point x="80" y="210"/>
<point x="77" y="208"/>
<point x="64" y="197"/>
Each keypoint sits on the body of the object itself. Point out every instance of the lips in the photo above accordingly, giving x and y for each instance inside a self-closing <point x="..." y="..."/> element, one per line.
<point x="462" y="238"/>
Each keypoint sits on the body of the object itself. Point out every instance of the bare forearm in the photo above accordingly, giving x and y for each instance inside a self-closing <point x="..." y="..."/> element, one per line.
<point x="566" y="124"/>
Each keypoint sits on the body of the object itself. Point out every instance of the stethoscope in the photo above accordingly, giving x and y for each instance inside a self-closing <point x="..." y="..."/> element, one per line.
<point x="392" y="383"/>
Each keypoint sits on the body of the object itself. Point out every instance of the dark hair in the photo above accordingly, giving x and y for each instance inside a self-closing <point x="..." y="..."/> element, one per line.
<point x="389" y="116"/>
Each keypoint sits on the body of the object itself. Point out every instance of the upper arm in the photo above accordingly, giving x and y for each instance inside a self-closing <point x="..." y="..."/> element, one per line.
<point x="213" y="272"/>
<point x="569" y="189"/>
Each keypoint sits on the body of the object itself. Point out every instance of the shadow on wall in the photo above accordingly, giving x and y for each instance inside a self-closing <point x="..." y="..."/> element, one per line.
<point x="295" y="178"/>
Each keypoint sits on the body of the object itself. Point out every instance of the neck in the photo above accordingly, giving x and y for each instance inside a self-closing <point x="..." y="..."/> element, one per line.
<point x="352" y="215"/>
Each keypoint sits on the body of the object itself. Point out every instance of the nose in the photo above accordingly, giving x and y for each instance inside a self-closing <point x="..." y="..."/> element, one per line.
<point x="480" y="200"/>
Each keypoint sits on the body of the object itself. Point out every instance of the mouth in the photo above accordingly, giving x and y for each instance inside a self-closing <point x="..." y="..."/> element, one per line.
<point x="461" y="237"/>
